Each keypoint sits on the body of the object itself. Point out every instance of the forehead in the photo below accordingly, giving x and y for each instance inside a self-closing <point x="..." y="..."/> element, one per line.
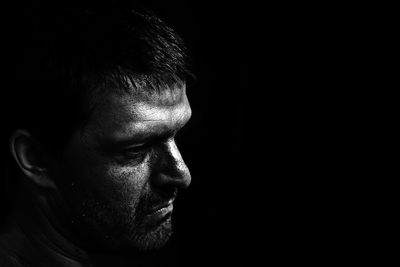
<point x="121" y="115"/>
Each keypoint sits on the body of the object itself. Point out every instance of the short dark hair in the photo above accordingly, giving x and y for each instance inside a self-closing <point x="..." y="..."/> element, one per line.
<point x="60" y="59"/>
<point x="69" y="55"/>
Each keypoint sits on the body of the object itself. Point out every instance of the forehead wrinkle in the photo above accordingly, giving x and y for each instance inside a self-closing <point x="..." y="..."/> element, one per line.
<point x="134" y="117"/>
<point x="167" y="118"/>
<point x="168" y="98"/>
<point x="156" y="112"/>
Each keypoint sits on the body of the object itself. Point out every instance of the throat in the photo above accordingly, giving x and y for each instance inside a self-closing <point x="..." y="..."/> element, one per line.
<point x="34" y="237"/>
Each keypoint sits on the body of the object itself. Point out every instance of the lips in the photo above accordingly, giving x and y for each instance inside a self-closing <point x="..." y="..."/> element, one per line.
<point x="161" y="206"/>
<point x="160" y="213"/>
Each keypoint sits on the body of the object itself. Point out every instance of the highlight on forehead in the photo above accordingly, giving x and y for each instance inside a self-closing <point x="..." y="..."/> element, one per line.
<point x="156" y="89"/>
<point x="125" y="111"/>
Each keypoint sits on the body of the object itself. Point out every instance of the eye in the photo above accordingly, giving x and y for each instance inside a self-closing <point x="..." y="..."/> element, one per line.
<point x="135" y="152"/>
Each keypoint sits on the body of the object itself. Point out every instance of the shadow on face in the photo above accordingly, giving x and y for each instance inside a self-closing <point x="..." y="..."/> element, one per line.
<point x="120" y="175"/>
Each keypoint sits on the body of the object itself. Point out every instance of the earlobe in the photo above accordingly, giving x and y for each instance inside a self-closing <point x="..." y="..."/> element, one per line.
<point x="29" y="156"/>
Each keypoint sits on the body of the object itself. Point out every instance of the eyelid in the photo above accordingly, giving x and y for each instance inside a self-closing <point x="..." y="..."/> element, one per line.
<point x="150" y="142"/>
<point x="137" y="148"/>
<point x="136" y="145"/>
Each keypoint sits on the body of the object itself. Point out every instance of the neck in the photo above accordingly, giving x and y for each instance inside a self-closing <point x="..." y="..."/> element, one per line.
<point x="37" y="237"/>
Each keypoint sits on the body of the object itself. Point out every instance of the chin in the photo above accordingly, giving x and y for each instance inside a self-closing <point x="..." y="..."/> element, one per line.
<point x="154" y="238"/>
<point x="118" y="228"/>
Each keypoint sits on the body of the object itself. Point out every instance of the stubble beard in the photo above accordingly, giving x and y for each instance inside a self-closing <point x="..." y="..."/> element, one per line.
<point x="124" y="226"/>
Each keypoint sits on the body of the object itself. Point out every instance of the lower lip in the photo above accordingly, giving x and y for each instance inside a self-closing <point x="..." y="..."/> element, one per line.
<point x="160" y="214"/>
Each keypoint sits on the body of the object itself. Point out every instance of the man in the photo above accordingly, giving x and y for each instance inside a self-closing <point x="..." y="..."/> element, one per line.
<point x="98" y="97"/>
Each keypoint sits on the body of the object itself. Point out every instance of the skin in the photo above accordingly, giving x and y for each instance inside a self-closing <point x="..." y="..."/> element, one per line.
<point x="103" y="194"/>
<point x="124" y="165"/>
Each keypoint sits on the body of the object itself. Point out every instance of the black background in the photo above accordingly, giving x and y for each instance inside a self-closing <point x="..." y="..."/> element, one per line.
<point x="276" y="144"/>
<point x="280" y="141"/>
<point x="283" y="144"/>
<point x="209" y="216"/>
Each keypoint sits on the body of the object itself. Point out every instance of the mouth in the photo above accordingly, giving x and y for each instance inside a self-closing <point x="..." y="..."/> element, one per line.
<point x="160" y="213"/>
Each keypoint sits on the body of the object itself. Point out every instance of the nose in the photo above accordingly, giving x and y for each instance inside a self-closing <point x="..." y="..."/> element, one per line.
<point x="171" y="168"/>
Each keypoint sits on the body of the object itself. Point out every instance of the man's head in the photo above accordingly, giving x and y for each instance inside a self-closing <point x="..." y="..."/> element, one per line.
<point x="103" y="96"/>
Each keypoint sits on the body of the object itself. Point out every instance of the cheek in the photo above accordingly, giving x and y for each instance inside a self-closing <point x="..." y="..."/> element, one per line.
<point x="106" y="181"/>
<point x="124" y="184"/>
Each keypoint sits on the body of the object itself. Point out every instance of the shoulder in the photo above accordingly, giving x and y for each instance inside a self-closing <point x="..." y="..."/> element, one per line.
<point x="8" y="258"/>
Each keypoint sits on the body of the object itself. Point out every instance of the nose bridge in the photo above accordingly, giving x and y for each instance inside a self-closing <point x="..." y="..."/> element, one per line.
<point x="174" y="170"/>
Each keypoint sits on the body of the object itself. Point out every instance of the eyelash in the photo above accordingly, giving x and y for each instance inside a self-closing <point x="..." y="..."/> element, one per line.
<point x="134" y="155"/>
<point x="135" y="150"/>
<point x="139" y="152"/>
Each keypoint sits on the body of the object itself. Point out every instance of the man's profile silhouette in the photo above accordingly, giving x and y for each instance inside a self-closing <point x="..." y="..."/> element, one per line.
<point x="98" y="97"/>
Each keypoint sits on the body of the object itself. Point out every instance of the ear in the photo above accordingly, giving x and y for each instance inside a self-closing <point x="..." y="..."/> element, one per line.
<point x="30" y="156"/>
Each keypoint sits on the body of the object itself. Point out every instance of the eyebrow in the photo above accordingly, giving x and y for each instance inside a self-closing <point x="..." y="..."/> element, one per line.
<point x="150" y="135"/>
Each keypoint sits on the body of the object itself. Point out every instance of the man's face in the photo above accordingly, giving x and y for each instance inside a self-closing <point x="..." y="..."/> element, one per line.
<point x="120" y="175"/>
